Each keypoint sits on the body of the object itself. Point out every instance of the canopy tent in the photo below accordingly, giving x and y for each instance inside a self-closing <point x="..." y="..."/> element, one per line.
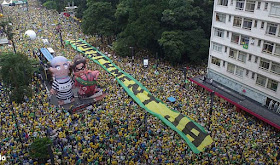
<point x="46" y="54"/>
<point x="171" y="99"/>
<point x="5" y="3"/>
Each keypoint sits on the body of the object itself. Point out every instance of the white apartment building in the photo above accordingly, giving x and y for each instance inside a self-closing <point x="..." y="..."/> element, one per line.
<point x="244" y="52"/>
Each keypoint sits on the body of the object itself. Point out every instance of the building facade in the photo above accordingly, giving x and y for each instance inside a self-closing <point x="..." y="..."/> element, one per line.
<point x="244" y="52"/>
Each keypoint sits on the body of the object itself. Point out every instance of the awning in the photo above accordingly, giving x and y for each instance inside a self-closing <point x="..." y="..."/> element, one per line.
<point x="46" y="54"/>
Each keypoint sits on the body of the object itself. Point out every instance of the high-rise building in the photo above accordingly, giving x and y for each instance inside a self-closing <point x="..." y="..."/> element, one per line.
<point x="244" y="52"/>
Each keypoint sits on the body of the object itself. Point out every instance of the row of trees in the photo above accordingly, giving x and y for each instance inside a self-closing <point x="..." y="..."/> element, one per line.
<point x="178" y="30"/>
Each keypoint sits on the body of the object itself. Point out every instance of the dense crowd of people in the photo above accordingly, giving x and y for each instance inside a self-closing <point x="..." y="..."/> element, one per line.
<point x="113" y="131"/>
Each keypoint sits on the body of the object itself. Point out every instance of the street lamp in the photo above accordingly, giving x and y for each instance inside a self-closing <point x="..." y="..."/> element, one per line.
<point x="58" y="30"/>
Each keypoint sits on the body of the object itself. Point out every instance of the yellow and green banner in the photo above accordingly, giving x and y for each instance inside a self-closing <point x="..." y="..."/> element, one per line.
<point x="195" y="136"/>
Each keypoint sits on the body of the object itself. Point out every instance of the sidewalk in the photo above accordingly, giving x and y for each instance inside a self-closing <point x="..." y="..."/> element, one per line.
<point x="240" y="101"/>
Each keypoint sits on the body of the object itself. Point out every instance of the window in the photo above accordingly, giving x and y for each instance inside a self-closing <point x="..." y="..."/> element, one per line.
<point x="250" y="57"/>
<point x="262" y="25"/>
<point x="271" y="28"/>
<point x="247" y="72"/>
<point x="256" y="59"/>
<point x="229" y="18"/>
<point x="227" y="34"/>
<point x="275" y="9"/>
<point x="256" y="24"/>
<point x="272" y="85"/>
<point x="277" y="50"/>
<point x="259" y="5"/>
<point x="225" y="49"/>
<point x="250" y="6"/>
<point x="235" y="38"/>
<point x="275" y="68"/>
<point x="261" y="80"/>
<point x="267" y="47"/>
<point x="216" y="61"/>
<point x="237" y="21"/>
<point x="265" y="6"/>
<point x="259" y="42"/>
<point x="239" y="71"/>
<point x="230" y="68"/>
<point x="219" y="32"/>
<point x="242" y="56"/>
<point x="264" y="64"/>
<point x="224" y="63"/>
<point x="217" y="47"/>
<point x="233" y="53"/>
<point x="220" y="17"/>
<point x="247" y="24"/>
<point x="244" y="40"/>
<point x="223" y="2"/>
<point x="253" y="75"/>
<point x="239" y="4"/>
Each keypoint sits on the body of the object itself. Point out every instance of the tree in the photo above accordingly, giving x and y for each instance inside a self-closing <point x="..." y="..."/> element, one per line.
<point x="7" y="28"/>
<point x="173" y="45"/>
<point x="99" y="19"/>
<point x="39" y="149"/>
<point x="82" y="6"/>
<point x="196" y="45"/>
<point x="140" y="24"/>
<point x="50" y="5"/>
<point x="16" y="72"/>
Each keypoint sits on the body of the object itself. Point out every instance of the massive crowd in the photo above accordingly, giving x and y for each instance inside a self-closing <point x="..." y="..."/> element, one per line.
<point x="113" y="131"/>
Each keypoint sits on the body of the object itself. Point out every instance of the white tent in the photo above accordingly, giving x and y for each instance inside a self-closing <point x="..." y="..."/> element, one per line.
<point x="5" y="3"/>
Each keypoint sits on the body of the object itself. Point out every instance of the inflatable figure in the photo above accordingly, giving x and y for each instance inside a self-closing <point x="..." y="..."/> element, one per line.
<point x="85" y="79"/>
<point x="62" y="83"/>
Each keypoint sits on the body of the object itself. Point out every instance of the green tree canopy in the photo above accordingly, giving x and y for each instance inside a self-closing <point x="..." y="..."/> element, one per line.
<point x="173" y="45"/>
<point x="99" y="19"/>
<point x="50" y="5"/>
<point x="16" y="72"/>
<point x="39" y="149"/>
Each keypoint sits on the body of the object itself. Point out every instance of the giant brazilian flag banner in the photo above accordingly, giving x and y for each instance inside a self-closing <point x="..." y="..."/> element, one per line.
<point x="195" y="136"/>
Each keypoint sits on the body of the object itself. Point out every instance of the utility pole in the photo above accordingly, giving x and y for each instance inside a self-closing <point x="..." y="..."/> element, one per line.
<point x="157" y="59"/>
<point x="132" y="56"/>
<point x="185" y="73"/>
<point x="211" y="107"/>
